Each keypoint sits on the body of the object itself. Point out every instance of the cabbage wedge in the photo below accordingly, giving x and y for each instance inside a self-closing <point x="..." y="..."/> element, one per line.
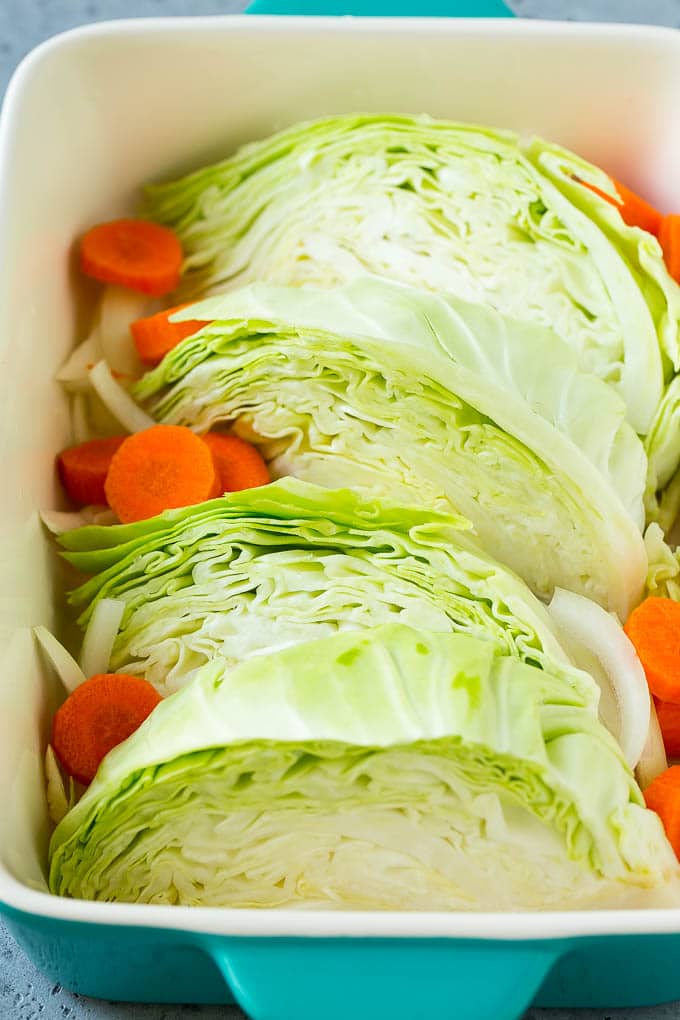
<point x="439" y="402"/>
<point x="447" y="207"/>
<point x="263" y="569"/>
<point x="386" y="769"/>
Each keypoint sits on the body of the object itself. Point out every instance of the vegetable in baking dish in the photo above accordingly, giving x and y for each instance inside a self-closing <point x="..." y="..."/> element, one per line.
<point x="266" y="568"/>
<point x="461" y="352"/>
<point x="511" y="223"/>
<point x="426" y="400"/>
<point x="390" y="768"/>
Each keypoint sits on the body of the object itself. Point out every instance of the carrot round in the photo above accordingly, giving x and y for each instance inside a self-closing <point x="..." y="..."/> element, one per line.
<point x="162" y="467"/>
<point x="155" y="335"/>
<point x="239" y="464"/>
<point x="635" y="211"/>
<point x="133" y="253"/>
<point x="669" y="721"/>
<point x="663" y="796"/>
<point x="669" y="238"/>
<point x="654" y="629"/>
<point x="82" y="469"/>
<point x="101" y="713"/>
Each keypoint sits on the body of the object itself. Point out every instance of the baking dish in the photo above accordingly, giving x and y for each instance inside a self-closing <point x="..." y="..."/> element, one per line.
<point x="91" y="115"/>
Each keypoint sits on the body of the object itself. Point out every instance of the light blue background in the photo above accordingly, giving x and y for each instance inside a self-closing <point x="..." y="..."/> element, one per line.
<point x="24" y="993"/>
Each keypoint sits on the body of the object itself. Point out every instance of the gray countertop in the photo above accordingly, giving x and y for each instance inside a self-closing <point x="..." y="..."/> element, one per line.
<point x="24" y="993"/>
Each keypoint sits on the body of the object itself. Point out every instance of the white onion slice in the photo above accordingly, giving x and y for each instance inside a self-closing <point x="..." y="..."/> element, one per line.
<point x="585" y="623"/>
<point x="101" y="420"/>
<point x="653" y="759"/>
<point x="120" y="306"/>
<point x="57" y="802"/>
<point x="68" y="670"/>
<point x="101" y="516"/>
<point x="118" y="400"/>
<point x="74" y="373"/>
<point x="100" y="635"/>
<point x="58" y="521"/>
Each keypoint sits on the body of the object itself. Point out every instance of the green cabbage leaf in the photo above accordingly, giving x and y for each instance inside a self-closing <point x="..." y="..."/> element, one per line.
<point x="390" y="768"/>
<point x="444" y="404"/>
<point x="452" y="208"/>
<point x="263" y="569"/>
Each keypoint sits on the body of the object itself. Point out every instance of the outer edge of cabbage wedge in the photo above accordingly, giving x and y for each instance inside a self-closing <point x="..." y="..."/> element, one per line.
<point x="180" y="201"/>
<point x="298" y="505"/>
<point x="622" y="546"/>
<point x="663" y="574"/>
<point x="526" y="359"/>
<point x="631" y="268"/>
<point x="643" y="256"/>
<point x="389" y="687"/>
<point x="286" y="497"/>
<point x="631" y="263"/>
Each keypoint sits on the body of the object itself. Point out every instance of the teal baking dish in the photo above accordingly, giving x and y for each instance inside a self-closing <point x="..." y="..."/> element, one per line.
<point x="74" y="149"/>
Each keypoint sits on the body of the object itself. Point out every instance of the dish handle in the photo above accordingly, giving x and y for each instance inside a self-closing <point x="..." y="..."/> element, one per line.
<point x="386" y="8"/>
<point x="308" y="978"/>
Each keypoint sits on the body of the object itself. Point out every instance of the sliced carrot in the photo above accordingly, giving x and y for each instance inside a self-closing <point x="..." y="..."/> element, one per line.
<point x="669" y="238"/>
<point x="239" y="464"/>
<point x="133" y="253"/>
<point x="82" y="469"/>
<point x="101" y="713"/>
<point x="160" y="468"/>
<point x="635" y="211"/>
<point x="669" y="721"/>
<point x="654" y="629"/>
<point x="663" y="796"/>
<point x="155" y="335"/>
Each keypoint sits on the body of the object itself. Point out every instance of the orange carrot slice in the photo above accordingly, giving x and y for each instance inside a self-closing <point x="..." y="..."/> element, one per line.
<point x="669" y="238"/>
<point x="100" y="714"/>
<point x="654" y="629"/>
<point x="160" y="468"/>
<point x="239" y="464"/>
<point x="669" y="721"/>
<point x="82" y="469"/>
<point x="663" y="796"/>
<point x="155" y="335"/>
<point x="133" y="253"/>
<point x="635" y="211"/>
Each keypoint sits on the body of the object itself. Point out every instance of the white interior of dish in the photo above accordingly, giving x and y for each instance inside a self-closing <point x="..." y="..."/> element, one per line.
<point x="92" y="115"/>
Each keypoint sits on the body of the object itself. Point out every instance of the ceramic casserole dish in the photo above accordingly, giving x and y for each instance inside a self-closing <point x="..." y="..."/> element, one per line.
<point x="88" y="118"/>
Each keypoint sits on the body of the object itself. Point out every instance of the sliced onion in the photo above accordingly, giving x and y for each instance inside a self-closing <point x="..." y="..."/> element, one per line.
<point x="58" y="521"/>
<point x="68" y="670"/>
<point x="585" y="623"/>
<point x="57" y="802"/>
<point x="120" y="306"/>
<point x="102" y="421"/>
<point x="74" y="373"/>
<point x="653" y="759"/>
<point x="110" y="338"/>
<point x="100" y="635"/>
<point x="80" y="424"/>
<point x="101" y="515"/>
<point x="118" y="400"/>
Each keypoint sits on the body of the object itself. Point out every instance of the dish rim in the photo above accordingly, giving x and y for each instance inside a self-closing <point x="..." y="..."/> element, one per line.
<point x="15" y="896"/>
